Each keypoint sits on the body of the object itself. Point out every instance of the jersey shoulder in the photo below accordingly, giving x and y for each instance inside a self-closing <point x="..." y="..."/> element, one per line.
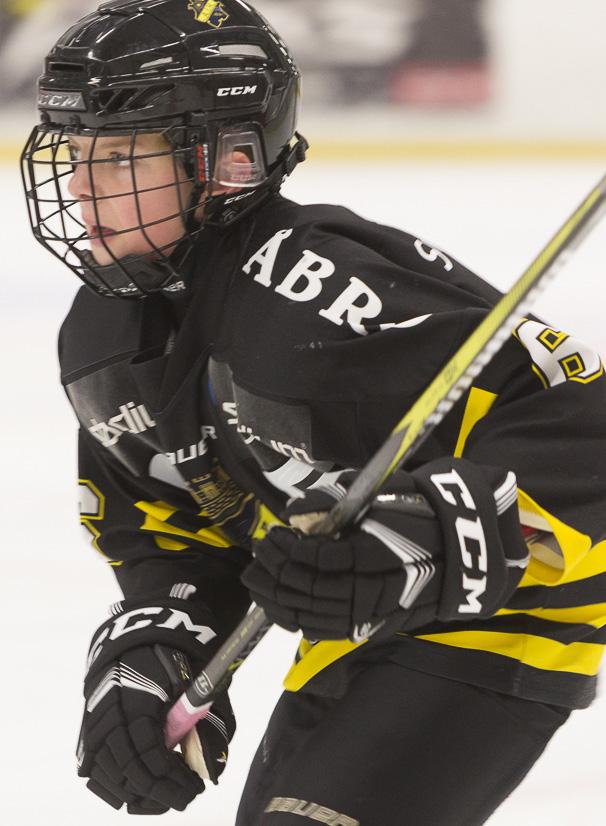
<point x="97" y="330"/>
<point x="376" y="252"/>
<point x="327" y="304"/>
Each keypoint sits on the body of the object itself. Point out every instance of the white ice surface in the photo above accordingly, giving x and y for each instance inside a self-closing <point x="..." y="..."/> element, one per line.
<point x="56" y="591"/>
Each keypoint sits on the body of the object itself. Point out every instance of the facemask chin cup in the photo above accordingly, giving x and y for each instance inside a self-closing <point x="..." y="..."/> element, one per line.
<point x="125" y="279"/>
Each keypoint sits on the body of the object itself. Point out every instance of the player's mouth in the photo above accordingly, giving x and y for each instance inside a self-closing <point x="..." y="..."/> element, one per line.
<point x="98" y="233"/>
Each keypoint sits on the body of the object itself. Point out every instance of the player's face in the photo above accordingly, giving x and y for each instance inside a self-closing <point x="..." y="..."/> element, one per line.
<point x="120" y="194"/>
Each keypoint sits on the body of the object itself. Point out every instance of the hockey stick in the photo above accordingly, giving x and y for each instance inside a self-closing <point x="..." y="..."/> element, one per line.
<point x="428" y="411"/>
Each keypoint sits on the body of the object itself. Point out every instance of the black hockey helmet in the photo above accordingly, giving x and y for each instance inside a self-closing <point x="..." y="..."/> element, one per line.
<point x="219" y="86"/>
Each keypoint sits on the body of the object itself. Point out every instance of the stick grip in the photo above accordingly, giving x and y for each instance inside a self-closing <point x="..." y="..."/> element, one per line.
<point x="194" y="704"/>
<point x="182" y="718"/>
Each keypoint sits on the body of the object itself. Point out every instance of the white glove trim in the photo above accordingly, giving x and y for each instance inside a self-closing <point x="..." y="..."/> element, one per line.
<point x="126" y="677"/>
<point x="417" y="561"/>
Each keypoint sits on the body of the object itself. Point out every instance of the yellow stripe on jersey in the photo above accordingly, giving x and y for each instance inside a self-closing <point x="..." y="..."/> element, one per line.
<point x="583" y="614"/>
<point x="579" y="562"/>
<point x="537" y="652"/>
<point x="314" y="658"/>
<point x="574" y="544"/>
<point x="157" y="514"/>
<point x="478" y="404"/>
<point x="265" y="520"/>
<point x="592" y="564"/>
<point x="166" y="544"/>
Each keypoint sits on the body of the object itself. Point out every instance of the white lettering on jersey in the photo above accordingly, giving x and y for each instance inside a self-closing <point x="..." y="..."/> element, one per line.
<point x="231" y="408"/>
<point x="402" y="325"/>
<point x="298" y="453"/>
<point x="345" y="305"/>
<point x="307" y="274"/>
<point x="356" y="303"/>
<point x="131" y="419"/>
<point x="304" y="283"/>
<point x="266" y="257"/>
<point x="432" y="254"/>
<point x="186" y="454"/>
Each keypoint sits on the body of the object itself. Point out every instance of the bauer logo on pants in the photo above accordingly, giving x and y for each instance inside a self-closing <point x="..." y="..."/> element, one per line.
<point x="312" y="811"/>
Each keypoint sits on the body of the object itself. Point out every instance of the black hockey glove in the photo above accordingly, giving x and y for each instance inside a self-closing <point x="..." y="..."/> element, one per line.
<point x="139" y="663"/>
<point x="400" y="567"/>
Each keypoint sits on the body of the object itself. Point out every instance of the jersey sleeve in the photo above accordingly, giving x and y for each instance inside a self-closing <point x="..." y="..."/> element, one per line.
<point x="546" y="423"/>
<point x="152" y="543"/>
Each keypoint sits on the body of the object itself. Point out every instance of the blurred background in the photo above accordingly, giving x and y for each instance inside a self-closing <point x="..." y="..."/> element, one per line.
<point x="476" y="124"/>
<point x="413" y="76"/>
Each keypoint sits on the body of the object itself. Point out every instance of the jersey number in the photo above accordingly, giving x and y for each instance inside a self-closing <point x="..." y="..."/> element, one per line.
<point x="556" y="356"/>
<point x="432" y="254"/>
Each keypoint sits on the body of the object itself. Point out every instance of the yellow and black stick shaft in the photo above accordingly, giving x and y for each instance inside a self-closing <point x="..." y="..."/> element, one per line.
<point x="429" y="409"/>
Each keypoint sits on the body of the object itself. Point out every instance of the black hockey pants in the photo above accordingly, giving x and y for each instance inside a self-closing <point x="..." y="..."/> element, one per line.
<point x="401" y="748"/>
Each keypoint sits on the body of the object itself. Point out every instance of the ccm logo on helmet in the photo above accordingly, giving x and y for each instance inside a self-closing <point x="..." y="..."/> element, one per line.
<point x="61" y="100"/>
<point x="236" y="90"/>
<point x="472" y="542"/>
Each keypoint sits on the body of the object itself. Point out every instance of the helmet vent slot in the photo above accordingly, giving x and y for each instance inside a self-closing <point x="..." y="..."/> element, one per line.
<point x="242" y="50"/>
<point x="132" y="100"/>
<point x="147" y="97"/>
<point x="63" y="68"/>
<point x="156" y="64"/>
<point x="115" y="101"/>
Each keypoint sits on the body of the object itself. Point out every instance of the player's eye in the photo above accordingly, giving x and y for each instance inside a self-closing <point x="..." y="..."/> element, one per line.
<point x="120" y="159"/>
<point x="74" y="153"/>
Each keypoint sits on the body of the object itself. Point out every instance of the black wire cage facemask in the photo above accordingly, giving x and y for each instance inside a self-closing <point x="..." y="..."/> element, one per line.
<point x="202" y="100"/>
<point x="123" y="209"/>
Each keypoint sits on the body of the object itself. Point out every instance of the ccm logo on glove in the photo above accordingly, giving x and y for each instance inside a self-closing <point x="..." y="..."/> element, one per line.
<point x="163" y="617"/>
<point x="472" y="542"/>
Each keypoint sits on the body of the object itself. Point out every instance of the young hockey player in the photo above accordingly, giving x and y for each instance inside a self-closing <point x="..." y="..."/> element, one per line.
<point x="233" y="360"/>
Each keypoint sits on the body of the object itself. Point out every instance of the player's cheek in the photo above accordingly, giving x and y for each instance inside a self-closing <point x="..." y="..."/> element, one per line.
<point x="167" y="213"/>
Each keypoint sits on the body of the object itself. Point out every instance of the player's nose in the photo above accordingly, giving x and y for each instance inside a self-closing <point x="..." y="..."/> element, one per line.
<point x="80" y="184"/>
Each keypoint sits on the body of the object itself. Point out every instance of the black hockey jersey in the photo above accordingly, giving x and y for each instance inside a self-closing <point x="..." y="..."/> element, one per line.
<point x="304" y="335"/>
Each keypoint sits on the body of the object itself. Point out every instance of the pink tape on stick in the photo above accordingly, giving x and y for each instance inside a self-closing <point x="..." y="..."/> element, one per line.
<point x="182" y="718"/>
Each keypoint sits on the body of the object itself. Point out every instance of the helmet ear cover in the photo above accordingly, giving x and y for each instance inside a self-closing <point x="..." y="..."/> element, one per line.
<point x="214" y="162"/>
<point x="213" y="155"/>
